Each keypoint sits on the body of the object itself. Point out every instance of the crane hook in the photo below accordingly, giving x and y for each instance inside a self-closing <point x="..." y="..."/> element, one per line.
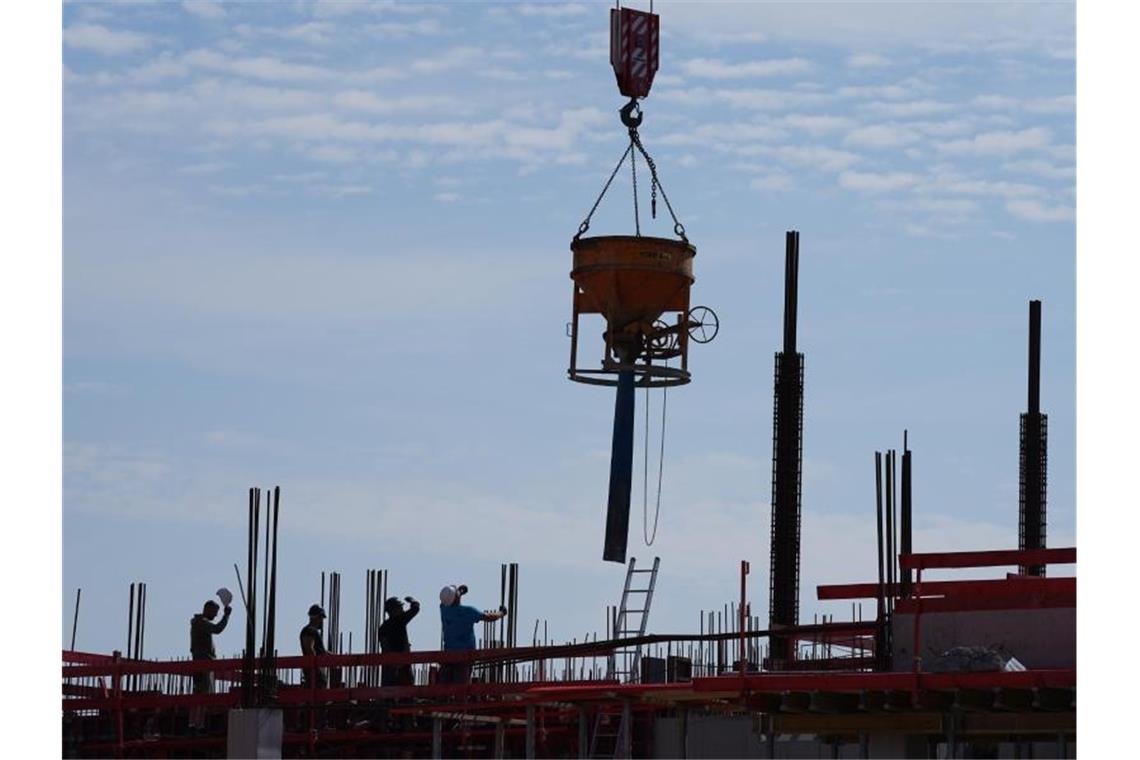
<point x="631" y="115"/>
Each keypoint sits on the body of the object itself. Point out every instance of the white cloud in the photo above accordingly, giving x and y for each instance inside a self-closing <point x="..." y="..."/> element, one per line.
<point x="752" y="99"/>
<point x="909" y="108"/>
<point x="720" y="134"/>
<point x="1057" y="104"/>
<point x="889" y="91"/>
<point x="881" y="136"/>
<point x="775" y="181"/>
<point x="400" y="29"/>
<point x="1041" y="168"/>
<point x="258" y="67"/>
<point x="815" y="156"/>
<point x="1035" y="211"/>
<point x="715" y="69"/>
<point x="872" y="182"/>
<point x="868" y="60"/>
<point x="204" y="8"/>
<point x="99" y="39"/>
<point x="816" y="124"/>
<point x="447" y="197"/>
<point x="999" y="143"/>
<point x="365" y="100"/>
<point x="552" y="10"/>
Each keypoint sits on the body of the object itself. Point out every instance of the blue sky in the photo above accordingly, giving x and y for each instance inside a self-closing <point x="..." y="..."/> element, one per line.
<point x="326" y="246"/>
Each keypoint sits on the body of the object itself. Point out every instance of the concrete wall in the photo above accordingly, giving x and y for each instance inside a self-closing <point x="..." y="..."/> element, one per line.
<point x="1038" y="638"/>
<point x="718" y="736"/>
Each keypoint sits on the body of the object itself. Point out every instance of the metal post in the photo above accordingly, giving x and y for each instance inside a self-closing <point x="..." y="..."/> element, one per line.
<point x="75" y="621"/>
<point x="437" y="737"/>
<point x="529" y="731"/>
<point x="499" y="736"/>
<point x="583" y="734"/>
<point x="625" y="733"/>
<point x="906" y="527"/>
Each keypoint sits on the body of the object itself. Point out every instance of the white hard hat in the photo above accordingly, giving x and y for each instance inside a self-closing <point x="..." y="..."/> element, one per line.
<point x="448" y="595"/>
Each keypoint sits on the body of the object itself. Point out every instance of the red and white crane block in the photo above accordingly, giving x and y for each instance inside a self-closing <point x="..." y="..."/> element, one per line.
<point x="634" y="50"/>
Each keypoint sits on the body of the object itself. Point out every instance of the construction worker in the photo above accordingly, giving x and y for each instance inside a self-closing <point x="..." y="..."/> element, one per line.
<point x="458" y="622"/>
<point x="394" y="638"/>
<point x="312" y="644"/>
<point x="202" y="630"/>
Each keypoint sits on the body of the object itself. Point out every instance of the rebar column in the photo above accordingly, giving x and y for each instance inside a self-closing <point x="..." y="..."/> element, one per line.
<point x="787" y="466"/>
<point x="1034" y="446"/>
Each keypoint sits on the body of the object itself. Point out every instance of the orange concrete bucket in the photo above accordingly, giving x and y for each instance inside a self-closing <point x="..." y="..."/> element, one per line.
<point x="630" y="279"/>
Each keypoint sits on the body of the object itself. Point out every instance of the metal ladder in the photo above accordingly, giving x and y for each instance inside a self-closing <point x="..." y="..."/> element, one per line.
<point x="610" y="740"/>
<point x="628" y="623"/>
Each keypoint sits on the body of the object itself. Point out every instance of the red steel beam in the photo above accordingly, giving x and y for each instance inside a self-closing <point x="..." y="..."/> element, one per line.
<point x="1020" y="584"/>
<point x="992" y="558"/>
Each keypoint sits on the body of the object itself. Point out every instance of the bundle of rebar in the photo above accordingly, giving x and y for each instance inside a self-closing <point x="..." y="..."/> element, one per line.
<point x="136" y="626"/>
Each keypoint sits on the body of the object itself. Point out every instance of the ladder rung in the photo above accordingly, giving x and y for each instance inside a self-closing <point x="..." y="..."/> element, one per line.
<point x="628" y="611"/>
<point x="649" y="570"/>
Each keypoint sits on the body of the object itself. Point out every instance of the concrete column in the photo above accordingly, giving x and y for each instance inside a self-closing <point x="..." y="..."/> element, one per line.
<point x="530" y="732"/>
<point x="583" y="734"/>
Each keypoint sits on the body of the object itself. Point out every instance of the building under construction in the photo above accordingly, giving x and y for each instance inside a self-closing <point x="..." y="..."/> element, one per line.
<point x="944" y="668"/>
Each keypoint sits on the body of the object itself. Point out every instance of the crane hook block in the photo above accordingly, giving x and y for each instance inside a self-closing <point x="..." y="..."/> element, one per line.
<point x="633" y="50"/>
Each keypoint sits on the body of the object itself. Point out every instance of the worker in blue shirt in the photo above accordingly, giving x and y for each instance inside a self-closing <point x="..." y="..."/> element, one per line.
<point x="458" y="623"/>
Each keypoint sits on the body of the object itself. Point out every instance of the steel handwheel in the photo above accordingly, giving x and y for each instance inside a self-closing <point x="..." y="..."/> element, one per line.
<point x="703" y="324"/>
<point x="661" y="339"/>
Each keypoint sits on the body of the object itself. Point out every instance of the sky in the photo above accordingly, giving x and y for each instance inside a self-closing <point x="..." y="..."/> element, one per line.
<point x="325" y="246"/>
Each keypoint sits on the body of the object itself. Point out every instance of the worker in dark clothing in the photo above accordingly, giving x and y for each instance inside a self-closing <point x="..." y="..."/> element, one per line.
<point x="458" y="622"/>
<point x="202" y="630"/>
<point x="311" y="643"/>
<point x="394" y="638"/>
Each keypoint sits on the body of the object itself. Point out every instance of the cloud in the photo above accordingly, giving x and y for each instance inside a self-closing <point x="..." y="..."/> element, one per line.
<point x="204" y="9"/>
<point x="889" y="91"/>
<point x="999" y="143"/>
<point x="1057" y="104"/>
<point x="552" y="10"/>
<point x="720" y="134"/>
<point x="909" y="108"/>
<point x="368" y="101"/>
<point x="1035" y="211"/>
<point x="99" y="39"/>
<point x="400" y="29"/>
<point x="715" y="69"/>
<point x="774" y="181"/>
<point x="1041" y="168"/>
<point x="877" y="183"/>
<point x="259" y="67"/>
<point x="868" y="61"/>
<point x="881" y="136"/>
<point x="815" y="156"/>
<point x="752" y="99"/>
<point x="817" y="123"/>
<point x="447" y="197"/>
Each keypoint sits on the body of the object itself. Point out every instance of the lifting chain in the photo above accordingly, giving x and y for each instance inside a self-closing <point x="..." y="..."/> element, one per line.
<point x="631" y="117"/>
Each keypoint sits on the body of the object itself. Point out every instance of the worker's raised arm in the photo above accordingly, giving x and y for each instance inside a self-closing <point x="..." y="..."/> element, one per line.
<point x="220" y="626"/>
<point x="412" y="611"/>
<point x="490" y="616"/>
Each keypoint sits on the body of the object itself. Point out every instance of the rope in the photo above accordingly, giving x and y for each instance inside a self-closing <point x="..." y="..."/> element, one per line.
<point x="649" y="539"/>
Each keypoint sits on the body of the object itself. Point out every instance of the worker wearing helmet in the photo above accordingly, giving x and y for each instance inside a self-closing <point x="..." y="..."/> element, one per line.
<point x="202" y="630"/>
<point x="393" y="637"/>
<point x="311" y="644"/>
<point x="458" y="622"/>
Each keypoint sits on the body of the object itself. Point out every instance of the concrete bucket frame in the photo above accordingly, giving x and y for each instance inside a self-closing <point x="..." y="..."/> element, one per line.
<point x="634" y="282"/>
